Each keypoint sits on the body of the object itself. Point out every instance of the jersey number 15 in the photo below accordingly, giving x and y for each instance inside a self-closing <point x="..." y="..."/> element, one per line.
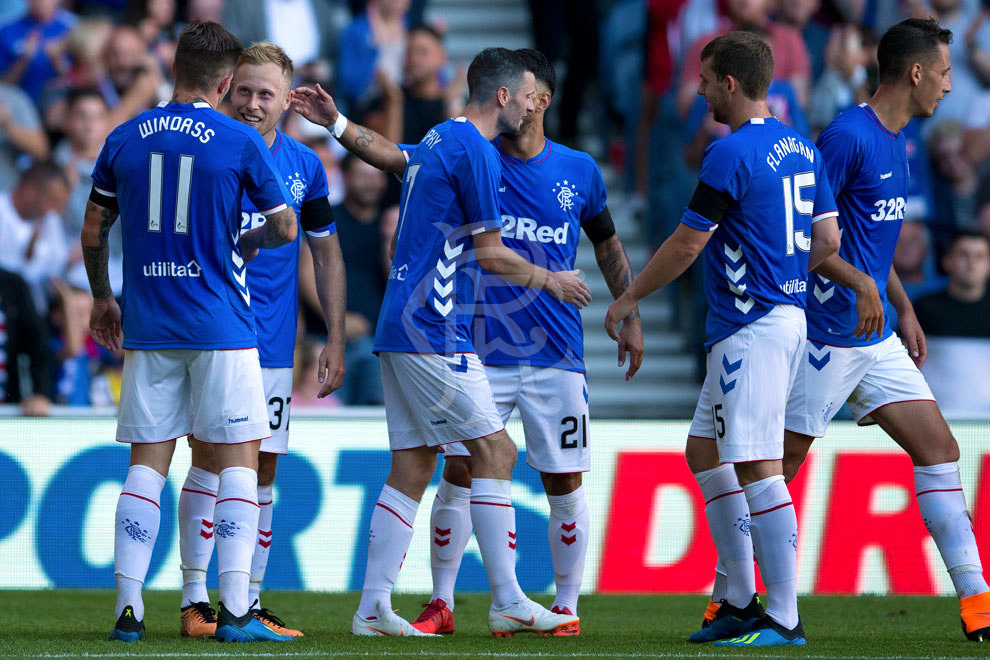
<point x="794" y="202"/>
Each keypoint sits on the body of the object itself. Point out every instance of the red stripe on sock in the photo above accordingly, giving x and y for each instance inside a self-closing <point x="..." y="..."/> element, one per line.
<point x="939" y="490"/>
<point x="264" y="503"/>
<point x="395" y="514"/>
<point x="779" y="506"/>
<point x="199" y="492"/>
<point x="492" y="504"/>
<point x="142" y="497"/>
<point x="237" y="499"/>
<point x="718" y="497"/>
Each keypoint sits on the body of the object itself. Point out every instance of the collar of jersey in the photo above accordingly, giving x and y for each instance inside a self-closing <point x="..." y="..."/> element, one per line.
<point x="759" y="121"/>
<point x="547" y="148"/>
<point x="198" y="104"/>
<point x="873" y="115"/>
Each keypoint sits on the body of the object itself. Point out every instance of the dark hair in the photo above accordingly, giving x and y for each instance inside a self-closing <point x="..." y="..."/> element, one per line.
<point x="81" y="93"/>
<point x="541" y="67"/>
<point x="493" y="68"/>
<point x="966" y="234"/>
<point x="427" y="29"/>
<point x="910" y="41"/>
<point x="204" y="55"/>
<point x="744" y="56"/>
<point x="43" y="173"/>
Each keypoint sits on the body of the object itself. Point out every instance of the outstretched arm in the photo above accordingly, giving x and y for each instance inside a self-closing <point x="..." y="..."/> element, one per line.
<point x="318" y="107"/>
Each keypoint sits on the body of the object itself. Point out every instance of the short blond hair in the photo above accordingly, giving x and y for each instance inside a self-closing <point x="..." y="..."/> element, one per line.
<point x="263" y="52"/>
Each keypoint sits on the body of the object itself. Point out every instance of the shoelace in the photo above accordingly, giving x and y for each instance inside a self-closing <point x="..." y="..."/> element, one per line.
<point x="433" y="609"/>
<point x="205" y="612"/>
<point x="265" y="613"/>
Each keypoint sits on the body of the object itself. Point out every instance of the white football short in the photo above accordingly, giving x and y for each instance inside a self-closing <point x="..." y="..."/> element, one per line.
<point x="743" y="398"/>
<point x="433" y="400"/>
<point x="867" y="377"/>
<point x="278" y="394"/>
<point x="553" y="404"/>
<point x="215" y="395"/>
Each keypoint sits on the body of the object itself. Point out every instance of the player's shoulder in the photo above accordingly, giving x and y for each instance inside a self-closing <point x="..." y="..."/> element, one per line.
<point x="466" y="134"/>
<point x="572" y="156"/>
<point x="852" y="125"/>
<point x="297" y="150"/>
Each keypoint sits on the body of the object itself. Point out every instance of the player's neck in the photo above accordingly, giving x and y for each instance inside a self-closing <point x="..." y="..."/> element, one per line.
<point x="746" y="110"/>
<point x="485" y="119"/>
<point x="892" y="108"/>
<point x="269" y="137"/>
<point x="192" y="96"/>
<point x="530" y="143"/>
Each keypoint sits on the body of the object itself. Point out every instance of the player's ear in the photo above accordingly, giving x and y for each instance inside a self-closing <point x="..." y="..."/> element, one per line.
<point x="731" y="84"/>
<point x="916" y="71"/>
<point x="224" y="85"/>
<point x="543" y="101"/>
<point x="503" y="95"/>
<point x="288" y="100"/>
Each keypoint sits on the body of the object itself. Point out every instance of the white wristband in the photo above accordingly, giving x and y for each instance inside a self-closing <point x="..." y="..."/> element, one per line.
<point x="339" y="126"/>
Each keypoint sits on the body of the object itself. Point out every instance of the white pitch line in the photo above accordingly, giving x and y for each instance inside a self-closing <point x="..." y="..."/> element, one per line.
<point x="487" y="654"/>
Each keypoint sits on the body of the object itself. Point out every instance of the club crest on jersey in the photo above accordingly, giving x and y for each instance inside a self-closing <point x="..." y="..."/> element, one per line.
<point x="297" y="187"/>
<point x="566" y="193"/>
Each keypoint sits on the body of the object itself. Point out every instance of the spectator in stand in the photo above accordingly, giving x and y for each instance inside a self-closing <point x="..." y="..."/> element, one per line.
<point x="915" y="262"/>
<point x="155" y="21"/>
<point x="843" y="83"/>
<point x="358" y="224"/>
<point x="957" y="323"/>
<point x="205" y="10"/>
<point x="32" y="48"/>
<point x="32" y="238"/>
<point x="85" y="46"/>
<point x="79" y="378"/>
<point x="799" y="14"/>
<point x="374" y="41"/>
<point x="428" y="98"/>
<point x="954" y="183"/>
<point x="86" y="127"/>
<point x="132" y="75"/>
<point x="790" y="55"/>
<point x="20" y="133"/>
<point x="24" y="334"/>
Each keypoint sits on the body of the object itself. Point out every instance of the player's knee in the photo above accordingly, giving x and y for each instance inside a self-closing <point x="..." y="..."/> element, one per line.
<point x="701" y="454"/>
<point x="457" y="471"/>
<point x="267" y="464"/>
<point x="493" y="454"/>
<point x="560" y="484"/>
<point x="203" y="456"/>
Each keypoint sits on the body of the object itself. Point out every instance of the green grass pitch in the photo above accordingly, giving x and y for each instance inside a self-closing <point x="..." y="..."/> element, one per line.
<point x="70" y="624"/>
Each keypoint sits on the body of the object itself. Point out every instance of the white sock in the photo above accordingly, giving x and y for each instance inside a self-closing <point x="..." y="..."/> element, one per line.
<point x="494" y="522"/>
<point x="721" y="584"/>
<point x="388" y="540"/>
<point x="568" y="536"/>
<point x="259" y="561"/>
<point x="236" y="529"/>
<point x="136" y="525"/>
<point x="197" y="501"/>
<point x="943" y="510"/>
<point x="450" y="521"/>
<point x="774" y="527"/>
<point x="728" y="521"/>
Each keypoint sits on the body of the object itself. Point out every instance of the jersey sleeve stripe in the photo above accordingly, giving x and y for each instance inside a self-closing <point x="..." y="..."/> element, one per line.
<point x="322" y="232"/>
<point x="824" y="216"/>
<point x="275" y="209"/>
<point x="105" y="193"/>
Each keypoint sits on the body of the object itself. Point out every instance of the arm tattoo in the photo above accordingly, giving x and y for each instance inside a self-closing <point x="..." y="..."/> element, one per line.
<point x="97" y="257"/>
<point x="364" y="139"/>
<point x="614" y="264"/>
<point x="277" y="227"/>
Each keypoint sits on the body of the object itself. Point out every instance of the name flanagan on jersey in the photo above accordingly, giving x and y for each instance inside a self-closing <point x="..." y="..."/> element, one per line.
<point x="174" y="123"/>
<point x="785" y="147"/>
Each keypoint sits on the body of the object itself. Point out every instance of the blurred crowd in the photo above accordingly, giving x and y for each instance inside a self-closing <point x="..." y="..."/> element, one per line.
<point x="71" y="70"/>
<point x="825" y="62"/>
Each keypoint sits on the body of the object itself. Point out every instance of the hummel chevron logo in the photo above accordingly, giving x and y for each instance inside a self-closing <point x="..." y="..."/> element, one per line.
<point x="461" y="367"/>
<point x="568" y="527"/>
<point x="884" y="177"/>
<point x="443" y="290"/>
<point x="237" y="259"/>
<point x="823" y="296"/>
<point x="744" y="307"/>
<point x="444" y="308"/>
<point x="818" y="355"/>
<point x="734" y="255"/>
<point x="241" y="277"/>
<point x="441" y="532"/>
<point x="735" y="275"/>
<point x="738" y="290"/>
<point x="726" y="387"/>
<point x="451" y="252"/>
<point x="731" y="367"/>
<point x="444" y="269"/>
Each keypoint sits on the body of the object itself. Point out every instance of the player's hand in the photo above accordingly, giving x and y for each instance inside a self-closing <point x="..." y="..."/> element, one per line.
<point x="315" y="105"/>
<point x="631" y="341"/>
<point x="869" y="309"/>
<point x="36" y="405"/>
<point x="104" y="324"/>
<point x="331" y="368"/>
<point x="623" y="306"/>
<point x="566" y="286"/>
<point x="913" y="337"/>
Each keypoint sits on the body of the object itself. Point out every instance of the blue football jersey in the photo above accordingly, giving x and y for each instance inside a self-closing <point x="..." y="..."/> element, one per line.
<point x="449" y="192"/>
<point x="758" y="255"/>
<point x="868" y="168"/>
<point x="273" y="276"/>
<point x="178" y="172"/>
<point x="545" y="200"/>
